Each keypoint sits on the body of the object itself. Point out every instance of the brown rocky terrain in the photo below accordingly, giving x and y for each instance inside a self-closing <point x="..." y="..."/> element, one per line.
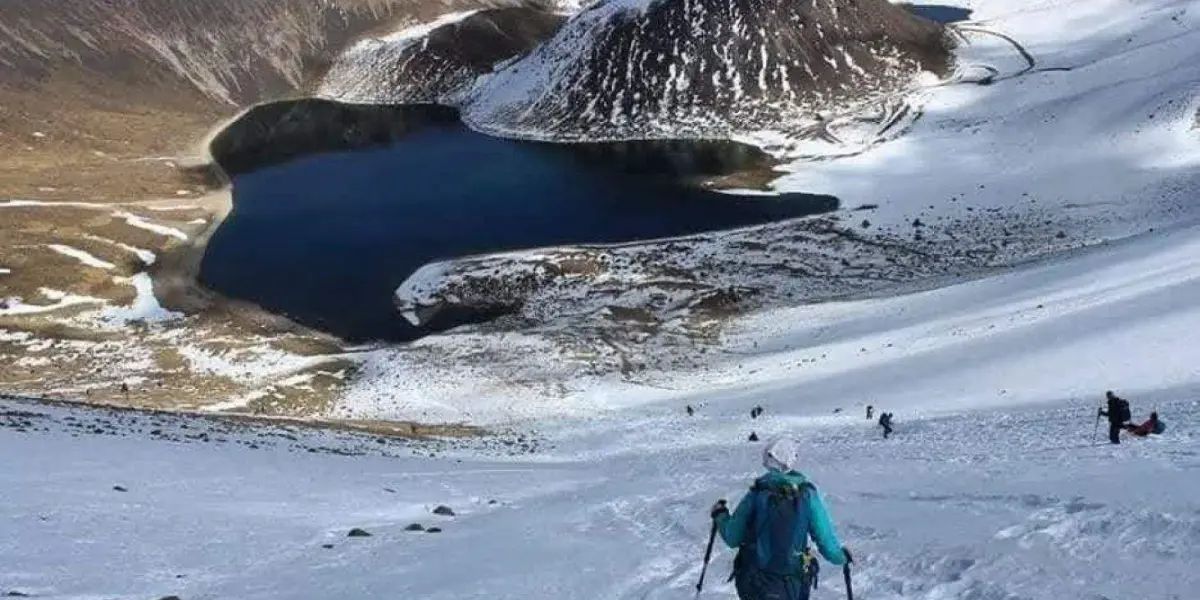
<point x="97" y="99"/>
<point x="105" y="111"/>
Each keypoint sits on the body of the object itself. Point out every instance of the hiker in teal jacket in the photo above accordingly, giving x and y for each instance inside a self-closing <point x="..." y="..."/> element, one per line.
<point x="771" y="528"/>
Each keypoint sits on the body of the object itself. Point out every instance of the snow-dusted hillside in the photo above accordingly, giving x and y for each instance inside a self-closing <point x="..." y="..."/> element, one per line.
<point x="435" y="62"/>
<point x="626" y="69"/>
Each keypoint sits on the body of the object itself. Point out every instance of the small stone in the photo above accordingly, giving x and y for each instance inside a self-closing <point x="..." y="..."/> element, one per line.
<point x="119" y="488"/>
<point x="169" y="598"/>
<point x="444" y="511"/>
<point x="356" y="532"/>
<point x="15" y="594"/>
<point x="327" y="546"/>
<point x="753" y="436"/>
<point x="415" y="527"/>
<point x="389" y="490"/>
<point x="434" y="530"/>
<point x="490" y="502"/>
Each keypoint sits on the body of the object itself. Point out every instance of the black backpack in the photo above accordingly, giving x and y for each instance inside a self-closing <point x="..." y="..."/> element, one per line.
<point x="1122" y="411"/>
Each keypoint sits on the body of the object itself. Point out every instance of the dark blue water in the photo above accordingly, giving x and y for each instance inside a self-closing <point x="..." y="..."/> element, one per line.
<point x="941" y="13"/>
<point x="326" y="239"/>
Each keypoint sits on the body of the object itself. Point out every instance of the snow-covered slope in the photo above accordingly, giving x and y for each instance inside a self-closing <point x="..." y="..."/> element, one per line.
<point x="982" y="505"/>
<point x="1084" y="114"/>
<point x="626" y="69"/>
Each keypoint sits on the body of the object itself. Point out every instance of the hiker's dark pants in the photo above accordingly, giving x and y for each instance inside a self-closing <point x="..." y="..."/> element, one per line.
<point x="753" y="584"/>
<point x="1114" y="432"/>
<point x="886" y="431"/>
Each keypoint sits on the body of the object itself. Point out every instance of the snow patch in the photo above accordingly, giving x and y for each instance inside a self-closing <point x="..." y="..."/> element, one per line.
<point x="145" y="306"/>
<point x="81" y="256"/>
<point x="147" y="257"/>
<point x="248" y="364"/>
<point x="14" y="306"/>
<point x="142" y="223"/>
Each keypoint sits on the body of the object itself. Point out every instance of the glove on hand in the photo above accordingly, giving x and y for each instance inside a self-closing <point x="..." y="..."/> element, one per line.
<point x="718" y="509"/>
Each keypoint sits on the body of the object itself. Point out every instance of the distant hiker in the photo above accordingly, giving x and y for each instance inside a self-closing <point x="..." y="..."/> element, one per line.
<point x="1118" y="414"/>
<point x="771" y="528"/>
<point x="756" y="412"/>
<point x="885" y="421"/>
<point x="690" y="411"/>
<point x="1151" y="426"/>
<point x="870" y="412"/>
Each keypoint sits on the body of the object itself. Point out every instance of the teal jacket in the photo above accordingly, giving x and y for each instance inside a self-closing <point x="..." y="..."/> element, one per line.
<point x="733" y="527"/>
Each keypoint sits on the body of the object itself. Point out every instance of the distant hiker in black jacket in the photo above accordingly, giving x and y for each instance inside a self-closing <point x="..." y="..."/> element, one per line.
<point x="885" y="421"/>
<point x="1118" y="414"/>
<point x="870" y="412"/>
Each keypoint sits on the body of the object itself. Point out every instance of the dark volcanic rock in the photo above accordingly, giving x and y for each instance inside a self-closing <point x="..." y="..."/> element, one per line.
<point x="415" y="527"/>
<point x="702" y="68"/>
<point x="441" y="65"/>
<point x="356" y="532"/>
<point x="443" y="510"/>
<point x="434" y="530"/>
<point x="276" y="132"/>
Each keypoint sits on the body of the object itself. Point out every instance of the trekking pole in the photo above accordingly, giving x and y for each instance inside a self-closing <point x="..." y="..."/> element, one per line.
<point x="1096" y="429"/>
<point x="849" y="586"/>
<point x="712" y="536"/>
<point x="846" y="575"/>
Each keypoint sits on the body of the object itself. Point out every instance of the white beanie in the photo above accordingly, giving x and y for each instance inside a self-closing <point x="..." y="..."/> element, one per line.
<point x="781" y="454"/>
